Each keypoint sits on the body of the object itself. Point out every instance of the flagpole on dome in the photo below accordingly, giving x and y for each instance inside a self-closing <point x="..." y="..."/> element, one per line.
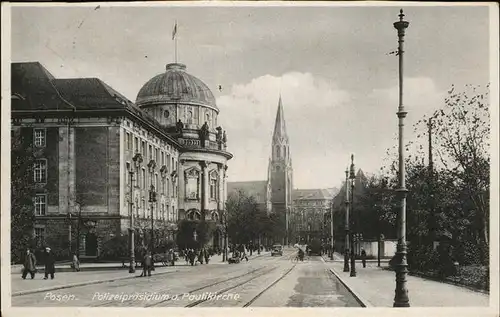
<point x="174" y="37"/>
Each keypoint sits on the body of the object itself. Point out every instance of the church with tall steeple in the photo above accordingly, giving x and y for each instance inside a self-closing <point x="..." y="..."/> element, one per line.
<point x="280" y="165"/>
<point x="302" y="209"/>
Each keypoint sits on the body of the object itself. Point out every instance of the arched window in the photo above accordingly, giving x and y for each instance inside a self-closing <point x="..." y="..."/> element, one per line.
<point x="213" y="185"/>
<point x="190" y="117"/>
<point x="284" y="151"/>
<point x="207" y="119"/>
<point x="278" y="151"/>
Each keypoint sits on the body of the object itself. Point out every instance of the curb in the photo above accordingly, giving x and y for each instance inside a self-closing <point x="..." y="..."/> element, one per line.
<point x="363" y="302"/>
<point x="40" y="290"/>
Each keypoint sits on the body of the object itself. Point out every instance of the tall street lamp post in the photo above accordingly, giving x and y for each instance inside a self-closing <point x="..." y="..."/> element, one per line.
<point x="346" y="247"/>
<point x="152" y="200"/>
<point x="137" y="159"/>
<point x="331" y="230"/>
<point x="352" y="177"/>
<point x="401" y="293"/>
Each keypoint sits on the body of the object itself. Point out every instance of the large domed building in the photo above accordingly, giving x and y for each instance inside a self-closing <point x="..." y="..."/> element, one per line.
<point x="106" y="166"/>
<point x="185" y="107"/>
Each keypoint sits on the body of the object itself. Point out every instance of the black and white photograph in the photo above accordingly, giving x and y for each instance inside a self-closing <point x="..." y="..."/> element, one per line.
<point x="250" y="155"/>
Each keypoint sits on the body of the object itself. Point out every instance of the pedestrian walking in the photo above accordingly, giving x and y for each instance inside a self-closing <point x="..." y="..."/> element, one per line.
<point x="49" y="264"/>
<point x="207" y="256"/>
<point x="75" y="264"/>
<point x="29" y="264"/>
<point x="191" y="256"/>
<point x="363" y="257"/>
<point x="147" y="264"/>
<point x="200" y="256"/>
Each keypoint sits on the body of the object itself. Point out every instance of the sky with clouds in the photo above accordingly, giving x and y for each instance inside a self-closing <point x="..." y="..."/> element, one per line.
<point x="330" y="63"/>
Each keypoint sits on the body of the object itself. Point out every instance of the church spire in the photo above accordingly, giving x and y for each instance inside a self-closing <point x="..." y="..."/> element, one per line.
<point x="279" y="125"/>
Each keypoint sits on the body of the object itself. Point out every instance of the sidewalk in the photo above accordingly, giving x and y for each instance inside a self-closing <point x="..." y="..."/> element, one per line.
<point x="72" y="279"/>
<point x="374" y="287"/>
<point x="64" y="279"/>
<point x="66" y="267"/>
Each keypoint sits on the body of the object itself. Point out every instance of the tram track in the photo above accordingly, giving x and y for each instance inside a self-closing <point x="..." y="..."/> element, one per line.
<point x="225" y="290"/>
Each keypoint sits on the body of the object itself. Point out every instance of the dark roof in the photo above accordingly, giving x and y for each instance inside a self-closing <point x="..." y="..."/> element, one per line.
<point x="258" y="189"/>
<point x="360" y="181"/>
<point x="314" y="194"/>
<point x="89" y="93"/>
<point x="42" y="91"/>
<point x="175" y="85"/>
<point x="34" y="83"/>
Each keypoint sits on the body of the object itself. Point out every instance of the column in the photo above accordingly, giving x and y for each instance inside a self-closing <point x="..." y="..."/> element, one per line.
<point x="63" y="160"/>
<point x="220" y="185"/>
<point x="203" y="184"/>
<point x="225" y="184"/>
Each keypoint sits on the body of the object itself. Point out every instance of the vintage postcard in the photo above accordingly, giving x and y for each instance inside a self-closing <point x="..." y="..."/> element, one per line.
<point x="255" y="157"/>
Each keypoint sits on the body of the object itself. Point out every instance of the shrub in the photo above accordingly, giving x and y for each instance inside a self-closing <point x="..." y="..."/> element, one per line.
<point x="115" y="248"/>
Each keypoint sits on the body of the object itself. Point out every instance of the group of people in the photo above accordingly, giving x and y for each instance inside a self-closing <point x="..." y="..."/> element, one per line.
<point x="193" y="256"/>
<point x="30" y="262"/>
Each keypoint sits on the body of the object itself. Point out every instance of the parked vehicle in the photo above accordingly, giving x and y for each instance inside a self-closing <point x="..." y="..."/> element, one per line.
<point x="277" y="250"/>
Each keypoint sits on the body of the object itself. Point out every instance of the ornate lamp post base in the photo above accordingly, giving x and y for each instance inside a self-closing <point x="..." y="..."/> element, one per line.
<point x="401" y="293"/>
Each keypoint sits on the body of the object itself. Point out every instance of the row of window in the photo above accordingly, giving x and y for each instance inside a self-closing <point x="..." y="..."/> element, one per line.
<point x="41" y="209"/>
<point x="165" y="213"/>
<point x="165" y="186"/>
<point x="160" y="157"/>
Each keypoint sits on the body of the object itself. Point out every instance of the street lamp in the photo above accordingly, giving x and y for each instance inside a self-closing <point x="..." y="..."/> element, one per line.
<point x="137" y="159"/>
<point x="152" y="199"/>
<point x="346" y="247"/>
<point x="331" y="230"/>
<point x="401" y="293"/>
<point x="163" y="174"/>
<point x="352" y="177"/>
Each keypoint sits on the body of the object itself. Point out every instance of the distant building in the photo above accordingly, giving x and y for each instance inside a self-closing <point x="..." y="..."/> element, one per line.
<point x="303" y="209"/>
<point x="85" y="135"/>
<point x="310" y="208"/>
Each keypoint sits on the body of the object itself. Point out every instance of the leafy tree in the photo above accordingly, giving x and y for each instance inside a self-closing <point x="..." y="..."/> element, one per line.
<point x="246" y="221"/>
<point x="22" y="193"/>
<point x="463" y="130"/>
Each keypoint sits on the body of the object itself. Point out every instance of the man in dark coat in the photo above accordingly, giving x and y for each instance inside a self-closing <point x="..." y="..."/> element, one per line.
<point x="49" y="264"/>
<point x="363" y="257"/>
<point x="191" y="256"/>
<point x="29" y="264"/>
<point x="207" y="255"/>
<point x="147" y="264"/>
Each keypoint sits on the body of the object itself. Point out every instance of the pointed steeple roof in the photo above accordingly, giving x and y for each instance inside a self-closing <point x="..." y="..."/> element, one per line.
<point x="279" y="125"/>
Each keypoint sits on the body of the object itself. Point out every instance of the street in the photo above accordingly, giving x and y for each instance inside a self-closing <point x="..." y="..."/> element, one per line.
<point x="263" y="281"/>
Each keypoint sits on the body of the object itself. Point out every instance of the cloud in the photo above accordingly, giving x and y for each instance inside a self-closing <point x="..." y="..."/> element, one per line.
<point x="248" y="114"/>
<point x="325" y="125"/>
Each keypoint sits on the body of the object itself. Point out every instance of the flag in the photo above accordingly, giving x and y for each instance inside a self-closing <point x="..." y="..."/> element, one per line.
<point x="174" y="32"/>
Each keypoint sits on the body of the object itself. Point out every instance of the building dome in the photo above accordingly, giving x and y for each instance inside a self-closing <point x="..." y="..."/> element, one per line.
<point x="175" y="85"/>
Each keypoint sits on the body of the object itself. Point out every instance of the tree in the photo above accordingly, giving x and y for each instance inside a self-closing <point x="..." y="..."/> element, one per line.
<point x="462" y="129"/>
<point x="22" y="195"/>
<point x="246" y="221"/>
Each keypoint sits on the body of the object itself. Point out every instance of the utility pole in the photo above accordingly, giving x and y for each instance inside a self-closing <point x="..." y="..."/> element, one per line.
<point x="346" y="246"/>
<point x="352" y="176"/>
